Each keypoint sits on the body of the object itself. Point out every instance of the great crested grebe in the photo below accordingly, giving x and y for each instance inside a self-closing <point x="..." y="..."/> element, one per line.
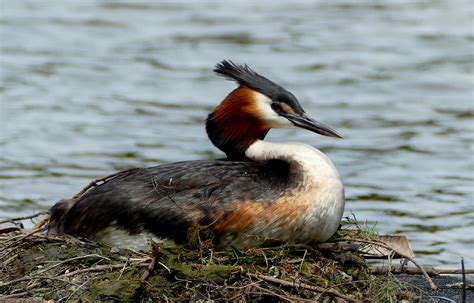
<point x="287" y="192"/>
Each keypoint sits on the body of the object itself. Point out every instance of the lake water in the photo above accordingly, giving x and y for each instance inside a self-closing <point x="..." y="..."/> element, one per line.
<point x="91" y="87"/>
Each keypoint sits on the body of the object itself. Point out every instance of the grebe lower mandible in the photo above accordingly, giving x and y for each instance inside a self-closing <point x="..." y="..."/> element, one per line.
<point x="287" y="192"/>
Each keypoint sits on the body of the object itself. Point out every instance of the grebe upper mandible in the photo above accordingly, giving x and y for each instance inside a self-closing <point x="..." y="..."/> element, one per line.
<point x="287" y="192"/>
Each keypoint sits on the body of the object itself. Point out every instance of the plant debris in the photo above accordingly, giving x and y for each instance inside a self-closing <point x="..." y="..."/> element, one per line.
<point x="66" y="268"/>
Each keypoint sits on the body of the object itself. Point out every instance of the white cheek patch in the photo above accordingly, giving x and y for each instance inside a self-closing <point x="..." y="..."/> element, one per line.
<point x="267" y="114"/>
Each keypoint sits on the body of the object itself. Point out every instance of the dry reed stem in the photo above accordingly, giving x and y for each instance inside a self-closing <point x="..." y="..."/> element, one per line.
<point x="329" y="291"/>
<point x="383" y="245"/>
<point x="11" y="220"/>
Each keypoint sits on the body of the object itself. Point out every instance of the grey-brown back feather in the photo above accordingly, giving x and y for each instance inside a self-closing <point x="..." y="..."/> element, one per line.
<point x="167" y="200"/>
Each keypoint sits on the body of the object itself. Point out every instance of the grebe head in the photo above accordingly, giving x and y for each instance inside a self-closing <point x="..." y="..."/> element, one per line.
<point x="252" y="109"/>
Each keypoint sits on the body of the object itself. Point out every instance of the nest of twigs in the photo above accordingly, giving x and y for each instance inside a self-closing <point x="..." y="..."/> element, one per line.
<point x="66" y="268"/>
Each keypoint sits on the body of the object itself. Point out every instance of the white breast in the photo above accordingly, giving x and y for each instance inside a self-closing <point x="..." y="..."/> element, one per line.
<point x="321" y="190"/>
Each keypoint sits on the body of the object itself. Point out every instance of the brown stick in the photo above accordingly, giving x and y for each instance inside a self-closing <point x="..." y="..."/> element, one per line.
<point x="17" y="240"/>
<point x="42" y="222"/>
<point x="329" y="291"/>
<point x="96" y="268"/>
<point x="9" y="230"/>
<point x="17" y="295"/>
<point x="24" y="218"/>
<point x="381" y="244"/>
<point x="416" y="271"/>
<point x="36" y="278"/>
<point x="71" y="259"/>
<point x="287" y="298"/>
<point x="98" y="181"/>
<point x="149" y="269"/>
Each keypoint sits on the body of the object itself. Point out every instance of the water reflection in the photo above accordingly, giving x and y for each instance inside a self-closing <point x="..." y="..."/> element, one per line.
<point x="89" y="88"/>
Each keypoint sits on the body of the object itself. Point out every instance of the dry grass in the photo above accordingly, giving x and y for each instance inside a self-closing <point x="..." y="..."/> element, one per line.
<point x="66" y="268"/>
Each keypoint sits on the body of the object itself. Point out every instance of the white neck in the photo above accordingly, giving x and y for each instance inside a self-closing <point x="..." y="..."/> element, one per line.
<point x="309" y="160"/>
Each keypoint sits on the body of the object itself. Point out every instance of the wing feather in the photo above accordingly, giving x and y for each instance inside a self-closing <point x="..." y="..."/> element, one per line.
<point x="168" y="199"/>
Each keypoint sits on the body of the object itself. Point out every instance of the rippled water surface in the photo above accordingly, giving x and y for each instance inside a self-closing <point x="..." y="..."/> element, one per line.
<point x="92" y="87"/>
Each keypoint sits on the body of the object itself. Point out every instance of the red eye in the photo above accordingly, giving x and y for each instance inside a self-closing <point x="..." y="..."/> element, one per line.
<point x="276" y="107"/>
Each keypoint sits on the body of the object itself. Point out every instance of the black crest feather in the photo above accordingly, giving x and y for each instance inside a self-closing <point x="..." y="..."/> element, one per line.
<point x="244" y="75"/>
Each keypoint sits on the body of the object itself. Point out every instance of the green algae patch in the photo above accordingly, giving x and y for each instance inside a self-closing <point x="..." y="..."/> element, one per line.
<point x="213" y="272"/>
<point x="113" y="286"/>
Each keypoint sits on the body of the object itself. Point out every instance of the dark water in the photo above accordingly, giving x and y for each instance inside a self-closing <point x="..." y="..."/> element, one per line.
<point x="92" y="87"/>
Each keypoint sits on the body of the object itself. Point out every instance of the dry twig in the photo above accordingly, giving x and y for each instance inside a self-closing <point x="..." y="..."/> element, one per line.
<point x="416" y="271"/>
<point x="71" y="259"/>
<point x="23" y="218"/>
<point x="96" y="268"/>
<point x="59" y="278"/>
<point x="149" y="269"/>
<point x="101" y="180"/>
<point x="383" y="245"/>
<point x="332" y="292"/>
